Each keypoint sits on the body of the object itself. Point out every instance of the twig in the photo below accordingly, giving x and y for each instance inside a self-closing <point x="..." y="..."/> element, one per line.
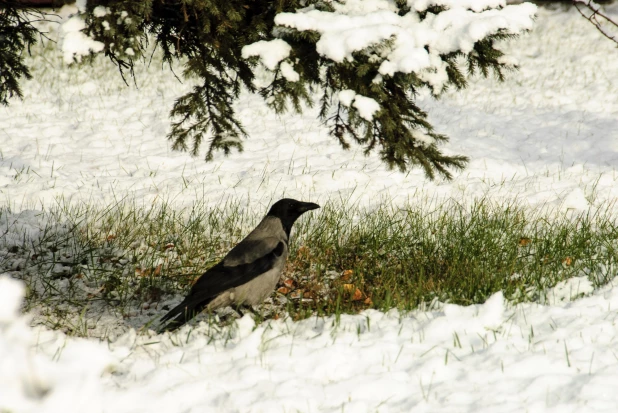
<point x="596" y="11"/>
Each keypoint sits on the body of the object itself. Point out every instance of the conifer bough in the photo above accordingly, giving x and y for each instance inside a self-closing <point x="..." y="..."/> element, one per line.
<point x="16" y="34"/>
<point x="362" y="61"/>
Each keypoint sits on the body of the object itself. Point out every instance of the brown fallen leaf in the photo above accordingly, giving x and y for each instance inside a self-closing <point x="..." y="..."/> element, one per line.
<point x="310" y="294"/>
<point x="568" y="261"/>
<point x="348" y="287"/>
<point x="358" y="295"/>
<point x="283" y="290"/>
<point x="347" y="274"/>
<point x="368" y="301"/>
<point x="97" y="292"/>
<point x="523" y="241"/>
<point x="148" y="271"/>
<point x="303" y="251"/>
<point x="289" y="283"/>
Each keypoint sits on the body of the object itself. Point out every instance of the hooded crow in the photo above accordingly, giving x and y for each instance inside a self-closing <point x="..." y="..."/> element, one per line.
<point x="248" y="273"/>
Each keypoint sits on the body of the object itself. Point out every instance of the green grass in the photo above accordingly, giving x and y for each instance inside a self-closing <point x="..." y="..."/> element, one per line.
<point x="343" y="259"/>
<point x="459" y="254"/>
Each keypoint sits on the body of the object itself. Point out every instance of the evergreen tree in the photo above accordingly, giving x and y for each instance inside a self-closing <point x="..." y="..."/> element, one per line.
<point x="361" y="98"/>
<point x="17" y="34"/>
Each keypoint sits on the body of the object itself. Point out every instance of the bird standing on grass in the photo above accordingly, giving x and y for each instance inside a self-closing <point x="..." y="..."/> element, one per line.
<point x="249" y="272"/>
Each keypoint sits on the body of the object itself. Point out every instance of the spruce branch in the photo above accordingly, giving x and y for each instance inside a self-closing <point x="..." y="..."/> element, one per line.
<point x="379" y="87"/>
<point x="206" y="111"/>
<point x="17" y="34"/>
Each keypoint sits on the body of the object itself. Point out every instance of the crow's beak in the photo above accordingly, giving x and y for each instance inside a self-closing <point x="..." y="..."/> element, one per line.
<point x="308" y="206"/>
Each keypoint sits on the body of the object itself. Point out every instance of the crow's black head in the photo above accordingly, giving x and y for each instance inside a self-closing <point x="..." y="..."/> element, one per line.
<point x="288" y="210"/>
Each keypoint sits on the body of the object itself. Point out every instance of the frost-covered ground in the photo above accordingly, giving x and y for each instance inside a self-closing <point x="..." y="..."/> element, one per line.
<point x="547" y="136"/>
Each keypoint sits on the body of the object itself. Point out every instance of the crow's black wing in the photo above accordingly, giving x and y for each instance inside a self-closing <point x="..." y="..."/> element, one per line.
<point x="222" y="277"/>
<point x="215" y="281"/>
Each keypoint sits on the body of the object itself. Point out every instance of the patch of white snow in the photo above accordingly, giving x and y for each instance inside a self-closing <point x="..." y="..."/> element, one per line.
<point x="75" y="43"/>
<point x="288" y="72"/>
<point x="270" y="52"/>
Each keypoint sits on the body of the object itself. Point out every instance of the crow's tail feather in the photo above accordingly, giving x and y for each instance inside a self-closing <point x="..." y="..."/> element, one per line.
<point x="179" y="315"/>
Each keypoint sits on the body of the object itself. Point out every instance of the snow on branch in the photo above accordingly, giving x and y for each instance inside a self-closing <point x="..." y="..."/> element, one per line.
<point x="270" y="53"/>
<point x="413" y="42"/>
<point x="366" y="106"/>
<point x="598" y="18"/>
<point x="367" y="59"/>
<point x="474" y="5"/>
<point x="75" y="42"/>
<point x="354" y="26"/>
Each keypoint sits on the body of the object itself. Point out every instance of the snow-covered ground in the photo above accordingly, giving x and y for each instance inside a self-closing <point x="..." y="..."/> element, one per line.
<point x="559" y="357"/>
<point x="547" y="136"/>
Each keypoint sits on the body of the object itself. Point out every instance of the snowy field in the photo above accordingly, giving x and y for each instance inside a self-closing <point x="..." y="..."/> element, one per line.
<point x="547" y="137"/>
<point x="486" y="358"/>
